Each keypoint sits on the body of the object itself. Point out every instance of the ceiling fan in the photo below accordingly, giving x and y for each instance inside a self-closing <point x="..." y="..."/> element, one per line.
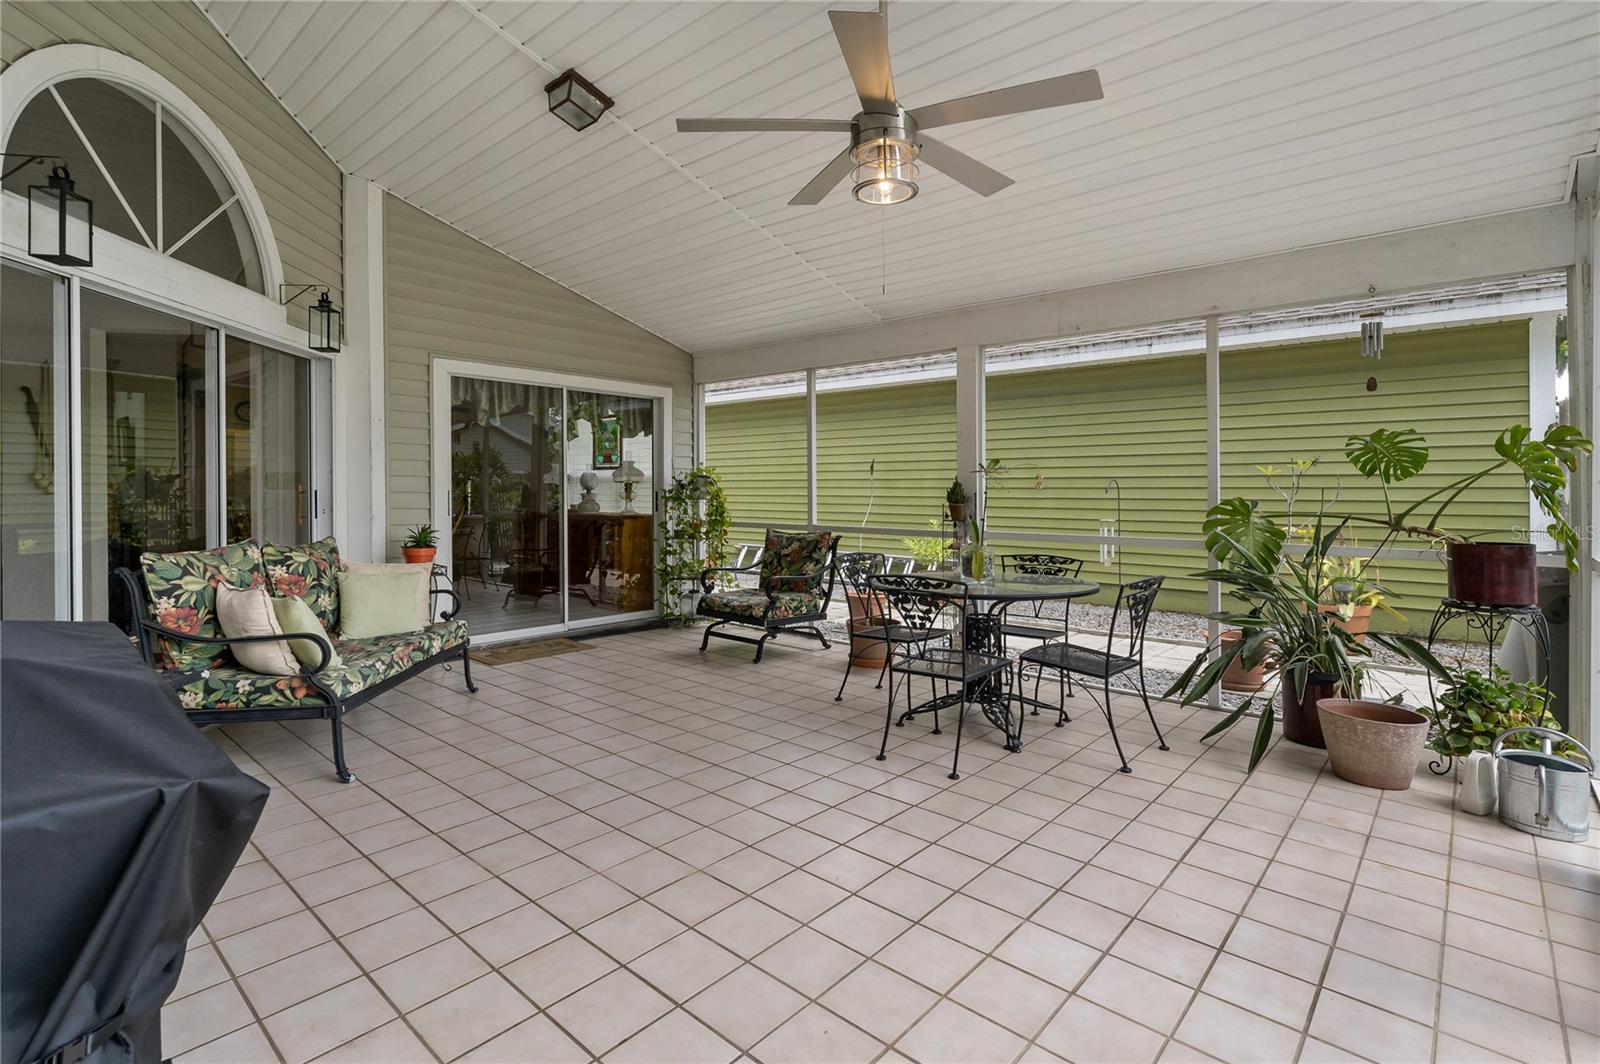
<point x="886" y="139"/>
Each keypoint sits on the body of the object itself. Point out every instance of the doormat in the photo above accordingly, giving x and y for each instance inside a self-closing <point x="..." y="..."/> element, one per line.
<point x="506" y="653"/>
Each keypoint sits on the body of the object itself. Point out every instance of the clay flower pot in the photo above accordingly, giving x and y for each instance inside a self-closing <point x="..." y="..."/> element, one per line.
<point x="958" y="513"/>
<point x="1236" y="677"/>
<point x="418" y="555"/>
<point x="1359" y="621"/>
<point x="1373" y="744"/>
<point x="865" y="612"/>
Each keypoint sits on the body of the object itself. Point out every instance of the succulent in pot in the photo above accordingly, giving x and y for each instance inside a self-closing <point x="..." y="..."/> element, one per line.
<point x="955" y="502"/>
<point x="420" y="545"/>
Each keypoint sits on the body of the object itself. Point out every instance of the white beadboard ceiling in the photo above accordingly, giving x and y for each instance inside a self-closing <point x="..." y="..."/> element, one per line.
<point x="1228" y="130"/>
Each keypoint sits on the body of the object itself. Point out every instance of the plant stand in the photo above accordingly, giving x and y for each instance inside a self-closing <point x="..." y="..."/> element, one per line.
<point x="1492" y="622"/>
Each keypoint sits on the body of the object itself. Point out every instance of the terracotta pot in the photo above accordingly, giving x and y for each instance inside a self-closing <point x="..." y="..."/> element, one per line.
<point x="1493" y="574"/>
<point x="418" y="555"/>
<point x="1300" y="723"/>
<point x="865" y="613"/>
<point x="1373" y="744"/>
<point x="1357" y="625"/>
<point x="1236" y="677"/>
<point x="958" y="513"/>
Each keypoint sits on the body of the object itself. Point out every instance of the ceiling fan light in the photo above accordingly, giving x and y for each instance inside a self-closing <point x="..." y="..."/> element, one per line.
<point x="882" y="186"/>
<point x="884" y="151"/>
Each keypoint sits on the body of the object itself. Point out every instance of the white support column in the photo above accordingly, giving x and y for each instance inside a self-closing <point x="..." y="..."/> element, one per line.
<point x="699" y="424"/>
<point x="1214" y="469"/>
<point x="811" y="446"/>
<point x="1583" y="325"/>
<point x="360" y="487"/>
<point x="970" y="414"/>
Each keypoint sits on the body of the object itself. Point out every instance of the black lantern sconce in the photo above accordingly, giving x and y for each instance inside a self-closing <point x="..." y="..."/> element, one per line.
<point x="60" y="222"/>
<point x="324" y="321"/>
<point x="576" y="101"/>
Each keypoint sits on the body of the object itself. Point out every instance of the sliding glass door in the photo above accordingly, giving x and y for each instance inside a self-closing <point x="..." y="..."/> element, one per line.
<point x="550" y="502"/>
<point x="126" y="429"/>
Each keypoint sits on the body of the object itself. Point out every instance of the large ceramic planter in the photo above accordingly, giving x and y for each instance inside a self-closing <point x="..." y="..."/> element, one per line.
<point x="1236" y="677"/>
<point x="1493" y="574"/>
<point x="865" y="613"/>
<point x="1300" y="722"/>
<point x="1373" y="744"/>
<point x="1357" y="624"/>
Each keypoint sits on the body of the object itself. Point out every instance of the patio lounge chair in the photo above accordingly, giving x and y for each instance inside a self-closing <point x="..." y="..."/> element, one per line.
<point x="795" y="584"/>
<point x="174" y="603"/>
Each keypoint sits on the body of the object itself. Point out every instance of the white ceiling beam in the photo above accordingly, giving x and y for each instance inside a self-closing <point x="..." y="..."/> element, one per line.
<point x="1526" y="241"/>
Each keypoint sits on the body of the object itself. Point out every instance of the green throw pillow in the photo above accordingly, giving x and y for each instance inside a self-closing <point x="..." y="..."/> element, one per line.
<point x="378" y="603"/>
<point x="295" y="618"/>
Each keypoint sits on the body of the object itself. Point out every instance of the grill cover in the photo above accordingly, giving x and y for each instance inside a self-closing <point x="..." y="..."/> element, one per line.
<point x="119" y="822"/>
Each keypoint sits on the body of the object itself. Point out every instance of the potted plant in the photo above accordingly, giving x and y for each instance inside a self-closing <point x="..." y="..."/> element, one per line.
<point x="1280" y="588"/>
<point x="1476" y="706"/>
<point x="694" y="537"/>
<point x="928" y="552"/>
<point x="420" y="545"/>
<point x="1352" y="597"/>
<point x="977" y="556"/>
<point x="1238" y="677"/>
<point x="955" y="501"/>
<point x="1492" y="573"/>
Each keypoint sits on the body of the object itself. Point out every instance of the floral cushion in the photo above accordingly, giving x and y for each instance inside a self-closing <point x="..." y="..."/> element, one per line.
<point x="801" y="555"/>
<point x="309" y="570"/>
<point x="182" y="590"/>
<point x="365" y="663"/>
<point x="753" y="604"/>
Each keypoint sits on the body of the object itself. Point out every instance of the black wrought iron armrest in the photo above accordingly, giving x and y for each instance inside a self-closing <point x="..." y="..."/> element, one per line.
<point x="706" y="584"/>
<point x="323" y="646"/>
<point x="454" y="598"/>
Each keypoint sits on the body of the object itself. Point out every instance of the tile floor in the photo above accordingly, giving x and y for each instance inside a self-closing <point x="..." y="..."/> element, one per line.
<point x="642" y="854"/>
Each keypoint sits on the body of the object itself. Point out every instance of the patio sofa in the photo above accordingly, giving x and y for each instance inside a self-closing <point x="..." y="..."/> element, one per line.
<point x="795" y="577"/>
<point x="173" y="604"/>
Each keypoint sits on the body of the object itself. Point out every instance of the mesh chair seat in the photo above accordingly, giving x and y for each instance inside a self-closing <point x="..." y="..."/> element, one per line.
<point x="899" y="633"/>
<point x="1033" y="631"/>
<point x="1080" y="660"/>
<point x="945" y="663"/>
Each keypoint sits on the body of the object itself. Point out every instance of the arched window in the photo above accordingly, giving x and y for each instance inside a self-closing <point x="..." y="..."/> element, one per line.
<point x="149" y="174"/>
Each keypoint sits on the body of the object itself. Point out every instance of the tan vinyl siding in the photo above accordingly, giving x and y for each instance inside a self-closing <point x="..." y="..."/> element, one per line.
<point x="298" y="184"/>
<point x="447" y="295"/>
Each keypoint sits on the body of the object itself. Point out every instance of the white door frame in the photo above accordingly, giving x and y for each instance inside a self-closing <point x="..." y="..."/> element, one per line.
<point x="441" y="369"/>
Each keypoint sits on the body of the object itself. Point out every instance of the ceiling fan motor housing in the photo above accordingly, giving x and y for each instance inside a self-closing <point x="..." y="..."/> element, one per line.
<point x="885" y="150"/>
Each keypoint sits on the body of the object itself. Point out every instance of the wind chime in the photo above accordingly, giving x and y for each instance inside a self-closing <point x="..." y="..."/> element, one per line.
<point x="1372" y="342"/>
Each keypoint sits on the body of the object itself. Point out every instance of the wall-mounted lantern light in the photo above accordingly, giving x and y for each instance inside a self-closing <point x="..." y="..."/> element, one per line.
<point x="576" y="101"/>
<point x="324" y="321"/>
<point x="60" y="222"/>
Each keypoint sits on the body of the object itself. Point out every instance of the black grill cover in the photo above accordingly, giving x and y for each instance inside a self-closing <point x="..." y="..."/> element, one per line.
<point x="119" y="822"/>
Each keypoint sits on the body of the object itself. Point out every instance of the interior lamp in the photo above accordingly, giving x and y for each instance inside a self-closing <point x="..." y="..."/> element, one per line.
<point x="627" y="474"/>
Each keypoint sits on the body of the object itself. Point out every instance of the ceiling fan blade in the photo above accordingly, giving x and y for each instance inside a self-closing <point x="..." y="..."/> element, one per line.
<point x="763" y="125"/>
<point x="983" y="180"/>
<point x="864" y="40"/>
<point x="1032" y="96"/>
<point x="823" y="183"/>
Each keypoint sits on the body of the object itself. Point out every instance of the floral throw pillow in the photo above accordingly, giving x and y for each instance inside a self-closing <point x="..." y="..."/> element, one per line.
<point x="800" y="555"/>
<point x="309" y="571"/>
<point x="183" y="596"/>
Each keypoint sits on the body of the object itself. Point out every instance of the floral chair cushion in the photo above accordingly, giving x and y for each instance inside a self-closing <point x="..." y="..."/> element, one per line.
<point x="182" y="590"/>
<point x="753" y="604"/>
<point x="800" y="555"/>
<point x="365" y="663"/>
<point x="310" y="571"/>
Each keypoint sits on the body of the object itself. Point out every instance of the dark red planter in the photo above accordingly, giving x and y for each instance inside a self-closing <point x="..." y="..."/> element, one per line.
<point x="1300" y="721"/>
<point x="1493" y="574"/>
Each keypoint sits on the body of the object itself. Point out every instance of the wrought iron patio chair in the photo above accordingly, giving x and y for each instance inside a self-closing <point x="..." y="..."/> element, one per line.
<point x="874" y="624"/>
<point x="1135" y="601"/>
<point x="968" y="673"/>
<point x="1033" y="624"/>
<point x="795" y="576"/>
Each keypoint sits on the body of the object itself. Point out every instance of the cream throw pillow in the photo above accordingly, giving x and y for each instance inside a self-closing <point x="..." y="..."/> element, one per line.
<point x="374" y="604"/>
<point x="423" y="571"/>
<point x="295" y="618"/>
<point x="248" y="611"/>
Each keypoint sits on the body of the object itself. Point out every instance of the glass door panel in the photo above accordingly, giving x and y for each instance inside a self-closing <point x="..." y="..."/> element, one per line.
<point x="267" y="436"/>
<point x="146" y="448"/>
<point x="610" y="461"/>
<point x="505" y="503"/>
<point x="35" y="538"/>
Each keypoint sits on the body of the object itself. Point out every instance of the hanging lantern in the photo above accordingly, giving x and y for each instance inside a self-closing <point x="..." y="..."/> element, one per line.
<point x="60" y="222"/>
<point x="323" y="322"/>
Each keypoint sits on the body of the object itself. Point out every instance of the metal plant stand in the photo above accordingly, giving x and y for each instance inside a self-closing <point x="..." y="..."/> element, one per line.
<point x="1492" y="622"/>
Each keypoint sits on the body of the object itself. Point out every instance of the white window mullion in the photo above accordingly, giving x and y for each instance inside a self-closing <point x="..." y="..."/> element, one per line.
<point x="161" y="223"/>
<point x="105" y="173"/>
<point x="229" y="202"/>
<point x="811" y="447"/>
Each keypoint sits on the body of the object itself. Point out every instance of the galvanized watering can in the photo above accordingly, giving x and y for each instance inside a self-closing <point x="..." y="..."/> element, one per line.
<point x="1542" y="793"/>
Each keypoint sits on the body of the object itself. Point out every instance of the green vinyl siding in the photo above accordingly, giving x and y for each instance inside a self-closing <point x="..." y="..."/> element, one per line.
<point x="758" y="448"/>
<point x="910" y="431"/>
<point x="1143" y="424"/>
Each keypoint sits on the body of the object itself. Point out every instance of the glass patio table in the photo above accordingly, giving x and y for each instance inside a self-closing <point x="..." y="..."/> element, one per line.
<point x="981" y="630"/>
